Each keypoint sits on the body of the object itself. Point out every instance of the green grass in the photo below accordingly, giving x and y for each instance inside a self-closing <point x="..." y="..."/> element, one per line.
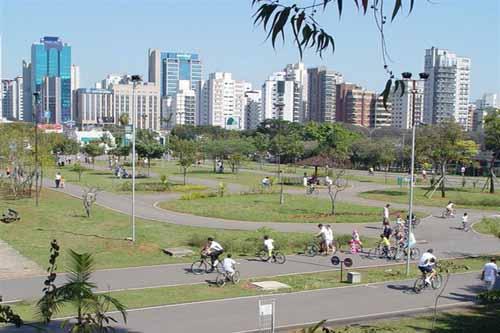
<point x="463" y="198"/>
<point x="106" y="180"/>
<point x="61" y="217"/>
<point x="266" y="208"/>
<point x="477" y="319"/>
<point x="489" y="226"/>
<point x="297" y="282"/>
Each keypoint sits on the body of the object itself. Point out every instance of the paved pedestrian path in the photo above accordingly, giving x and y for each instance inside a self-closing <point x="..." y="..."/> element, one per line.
<point x="14" y="265"/>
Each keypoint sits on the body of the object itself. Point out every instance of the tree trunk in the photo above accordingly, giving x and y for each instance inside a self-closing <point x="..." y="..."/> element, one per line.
<point x="149" y="165"/>
<point x="215" y="164"/>
<point x="492" y="173"/>
<point x="443" y="185"/>
<point x="185" y="172"/>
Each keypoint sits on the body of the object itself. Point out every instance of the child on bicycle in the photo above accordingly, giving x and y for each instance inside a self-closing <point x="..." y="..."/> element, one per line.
<point x="355" y="242"/>
<point x="228" y="264"/>
<point x="386" y="245"/>
<point x="268" y="245"/>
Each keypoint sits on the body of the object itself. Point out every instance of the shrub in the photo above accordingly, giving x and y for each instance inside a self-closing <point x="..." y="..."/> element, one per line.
<point x="489" y="297"/>
<point x="197" y="195"/>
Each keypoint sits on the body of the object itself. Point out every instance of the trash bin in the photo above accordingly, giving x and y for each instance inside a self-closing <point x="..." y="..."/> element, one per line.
<point x="354" y="277"/>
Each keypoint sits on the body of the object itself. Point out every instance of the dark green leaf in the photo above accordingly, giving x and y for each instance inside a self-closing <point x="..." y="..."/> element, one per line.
<point x="397" y="7"/>
<point x="296" y="34"/>
<point x="365" y="5"/>
<point x="339" y="5"/>
<point x="386" y="92"/>
<point x="279" y="26"/>
<point x="412" y="2"/>
<point x="403" y="87"/>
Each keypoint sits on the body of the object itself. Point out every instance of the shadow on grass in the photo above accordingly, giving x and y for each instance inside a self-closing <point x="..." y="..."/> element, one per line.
<point x="82" y="234"/>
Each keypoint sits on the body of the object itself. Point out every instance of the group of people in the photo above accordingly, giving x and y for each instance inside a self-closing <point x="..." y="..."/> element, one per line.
<point x="325" y="236"/>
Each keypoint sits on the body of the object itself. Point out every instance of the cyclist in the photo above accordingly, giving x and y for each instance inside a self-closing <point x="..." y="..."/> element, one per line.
<point x="386" y="245"/>
<point x="450" y="208"/>
<point x="426" y="265"/>
<point x="387" y="231"/>
<point x="269" y="245"/>
<point x="214" y="250"/>
<point x="355" y="243"/>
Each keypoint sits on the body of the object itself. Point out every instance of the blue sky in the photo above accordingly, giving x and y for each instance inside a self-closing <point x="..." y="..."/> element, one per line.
<point x="112" y="36"/>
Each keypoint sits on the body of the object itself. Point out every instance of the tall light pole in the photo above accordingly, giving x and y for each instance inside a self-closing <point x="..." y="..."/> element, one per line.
<point x="414" y="91"/>
<point x="136" y="79"/>
<point x="280" y="177"/>
<point x="36" y="95"/>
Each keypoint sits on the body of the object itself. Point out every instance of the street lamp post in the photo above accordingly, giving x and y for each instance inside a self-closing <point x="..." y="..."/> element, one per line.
<point x="37" y="175"/>
<point x="136" y="79"/>
<point x="407" y="77"/>
<point x="280" y="172"/>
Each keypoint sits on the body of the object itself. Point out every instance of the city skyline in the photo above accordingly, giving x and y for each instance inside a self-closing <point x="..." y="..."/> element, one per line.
<point x="262" y="60"/>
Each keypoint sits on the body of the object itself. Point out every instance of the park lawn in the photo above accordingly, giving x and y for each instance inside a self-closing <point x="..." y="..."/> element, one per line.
<point x="489" y="226"/>
<point x="463" y="198"/>
<point x="60" y="216"/>
<point x="107" y="181"/>
<point x="297" y="282"/>
<point x="266" y="208"/>
<point x="463" y="320"/>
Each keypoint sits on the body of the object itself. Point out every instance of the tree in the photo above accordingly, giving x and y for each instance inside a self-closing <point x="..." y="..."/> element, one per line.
<point x="441" y="144"/>
<point x="214" y="149"/>
<point x="147" y="146"/>
<point x="339" y="184"/>
<point x="121" y="151"/>
<point x="185" y="151"/>
<point x="237" y="150"/>
<point x="79" y="169"/>
<point x="123" y="119"/>
<point x="303" y="23"/>
<point x="78" y="291"/>
<point x="288" y="147"/>
<point x="93" y="149"/>
<point x="385" y="152"/>
<point x="492" y="142"/>
<point x="65" y="146"/>
<point x="261" y="143"/>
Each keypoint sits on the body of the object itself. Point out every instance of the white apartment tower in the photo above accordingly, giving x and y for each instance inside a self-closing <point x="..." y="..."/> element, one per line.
<point x="447" y="90"/>
<point x="298" y="74"/>
<point x="402" y="105"/>
<point x="12" y="99"/>
<point x="322" y="94"/>
<point x="222" y="101"/>
<point x="281" y="99"/>
<point x="181" y="109"/>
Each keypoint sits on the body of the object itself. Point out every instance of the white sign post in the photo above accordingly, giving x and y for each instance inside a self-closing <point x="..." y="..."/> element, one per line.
<point x="267" y="310"/>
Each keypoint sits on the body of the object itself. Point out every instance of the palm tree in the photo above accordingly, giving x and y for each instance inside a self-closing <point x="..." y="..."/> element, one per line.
<point x="78" y="291"/>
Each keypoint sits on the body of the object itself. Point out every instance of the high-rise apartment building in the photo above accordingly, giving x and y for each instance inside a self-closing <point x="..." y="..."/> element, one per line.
<point x="11" y="98"/>
<point x="402" y="105"/>
<point x="51" y="58"/>
<point x="298" y="74"/>
<point x="93" y="106"/>
<point x="224" y="102"/>
<point x="27" y="97"/>
<point x="167" y="68"/>
<point x="147" y="103"/>
<point x="281" y="98"/>
<point x="488" y="100"/>
<point x="75" y="77"/>
<point x="50" y="98"/>
<point x="380" y="114"/>
<point x="181" y="110"/>
<point x="322" y="94"/>
<point x="253" y="109"/>
<point x="446" y="93"/>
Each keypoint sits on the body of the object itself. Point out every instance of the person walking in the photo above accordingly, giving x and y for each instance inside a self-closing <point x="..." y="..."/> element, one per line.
<point x="385" y="220"/>
<point x="489" y="274"/>
<point x="58" y="179"/>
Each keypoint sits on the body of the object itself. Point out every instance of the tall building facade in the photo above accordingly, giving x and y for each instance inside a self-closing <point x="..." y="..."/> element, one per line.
<point x="322" y="94"/>
<point x="181" y="110"/>
<point x="223" y="101"/>
<point x="402" y="105"/>
<point x="167" y="68"/>
<point x="447" y="90"/>
<point x="380" y="114"/>
<point x="93" y="106"/>
<point x="27" y="97"/>
<point x="51" y="58"/>
<point x="354" y="104"/>
<point x="281" y="99"/>
<point x="298" y="74"/>
<point x="147" y="103"/>
<point x="12" y="99"/>
<point x="253" y="109"/>
<point x="50" y="97"/>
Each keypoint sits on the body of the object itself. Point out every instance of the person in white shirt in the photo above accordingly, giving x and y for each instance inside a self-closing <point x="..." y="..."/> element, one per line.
<point x="328" y="181"/>
<point x="329" y="238"/>
<point x="305" y="181"/>
<point x="489" y="275"/>
<point x="58" y="179"/>
<point x="450" y="208"/>
<point x="465" y="222"/>
<point x="266" y="182"/>
<point x="385" y="220"/>
<point x="269" y="245"/>
<point x="228" y="265"/>
<point x="426" y="265"/>
<point x="214" y="250"/>
<point x="322" y="236"/>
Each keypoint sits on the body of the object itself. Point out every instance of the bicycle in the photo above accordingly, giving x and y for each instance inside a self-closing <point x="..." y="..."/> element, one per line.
<point x="313" y="248"/>
<point x="447" y="214"/>
<point x="276" y="256"/>
<point x="204" y="265"/>
<point x="312" y="190"/>
<point x="224" y="277"/>
<point x="420" y="284"/>
<point x="379" y="252"/>
<point x="400" y="251"/>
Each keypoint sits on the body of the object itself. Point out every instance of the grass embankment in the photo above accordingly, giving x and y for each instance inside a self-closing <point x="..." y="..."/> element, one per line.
<point x="107" y="181"/>
<point x="489" y="226"/>
<point x="61" y="217"/>
<point x="298" y="282"/>
<point x="478" y="319"/>
<point x="266" y="208"/>
<point x="462" y="197"/>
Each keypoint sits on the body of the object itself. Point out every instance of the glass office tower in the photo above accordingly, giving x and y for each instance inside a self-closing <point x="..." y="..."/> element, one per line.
<point x="177" y="66"/>
<point x="51" y="58"/>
